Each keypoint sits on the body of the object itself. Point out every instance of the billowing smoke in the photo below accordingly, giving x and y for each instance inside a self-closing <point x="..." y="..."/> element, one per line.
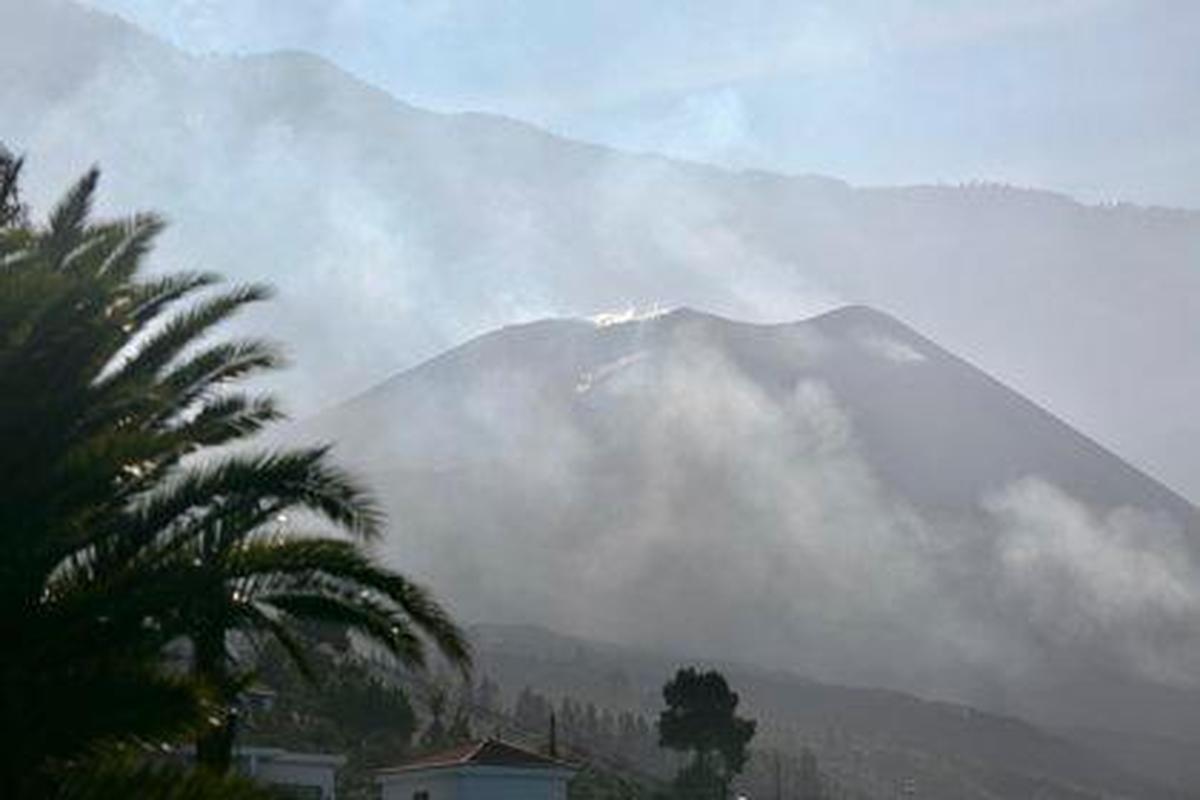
<point x="690" y="485"/>
<point x="1122" y="584"/>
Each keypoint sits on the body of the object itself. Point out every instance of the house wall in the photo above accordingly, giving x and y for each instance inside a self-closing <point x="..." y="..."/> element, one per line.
<point x="477" y="783"/>
<point x="316" y="777"/>
<point x="512" y="787"/>
<point x="309" y="776"/>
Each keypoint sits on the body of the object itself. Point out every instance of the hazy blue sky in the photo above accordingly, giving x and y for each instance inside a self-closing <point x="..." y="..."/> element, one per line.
<point x="1094" y="97"/>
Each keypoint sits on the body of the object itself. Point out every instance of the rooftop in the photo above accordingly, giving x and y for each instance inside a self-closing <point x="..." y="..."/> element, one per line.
<point x="486" y="753"/>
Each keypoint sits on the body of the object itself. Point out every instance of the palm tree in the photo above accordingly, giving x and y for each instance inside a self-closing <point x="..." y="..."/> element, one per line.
<point x="11" y="209"/>
<point x="122" y="533"/>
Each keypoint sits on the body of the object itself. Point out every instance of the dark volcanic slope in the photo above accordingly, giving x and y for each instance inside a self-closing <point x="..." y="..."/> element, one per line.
<point x="945" y="433"/>
<point x="839" y="496"/>
<point x="937" y="429"/>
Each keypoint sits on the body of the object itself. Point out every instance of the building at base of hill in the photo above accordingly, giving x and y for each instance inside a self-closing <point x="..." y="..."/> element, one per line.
<point x="486" y="770"/>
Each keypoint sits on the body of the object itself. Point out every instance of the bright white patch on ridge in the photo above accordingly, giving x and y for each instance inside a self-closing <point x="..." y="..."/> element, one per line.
<point x="631" y="314"/>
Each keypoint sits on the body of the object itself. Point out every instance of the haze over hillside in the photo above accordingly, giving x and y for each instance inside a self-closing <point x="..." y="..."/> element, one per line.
<point x="877" y="739"/>
<point x="393" y="232"/>
<point x="839" y="496"/>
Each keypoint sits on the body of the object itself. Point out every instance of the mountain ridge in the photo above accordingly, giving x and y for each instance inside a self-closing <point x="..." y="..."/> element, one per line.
<point x="985" y="187"/>
<point x="844" y="320"/>
<point x="853" y="454"/>
<point x="422" y="228"/>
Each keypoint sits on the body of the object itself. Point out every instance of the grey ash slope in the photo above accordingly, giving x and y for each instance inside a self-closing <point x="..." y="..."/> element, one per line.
<point x="946" y="433"/>
<point x="937" y="429"/>
<point x="838" y="496"/>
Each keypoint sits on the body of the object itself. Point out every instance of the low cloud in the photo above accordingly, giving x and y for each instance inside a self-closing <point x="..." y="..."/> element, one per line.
<point x="892" y="349"/>
<point x="1123" y="582"/>
<point x="657" y="490"/>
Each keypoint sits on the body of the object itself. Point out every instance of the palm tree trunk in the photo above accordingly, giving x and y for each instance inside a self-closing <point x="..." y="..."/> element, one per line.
<point x="214" y="744"/>
<point x="214" y="747"/>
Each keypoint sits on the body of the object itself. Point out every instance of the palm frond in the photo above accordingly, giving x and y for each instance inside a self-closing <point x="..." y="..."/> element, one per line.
<point x="259" y="616"/>
<point x="161" y="348"/>
<point x="323" y="559"/>
<point x="215" y="366"/>
<point x="264" y="485"/>
<point x="153" y="297"/>
<point x="68" y="220"/>
<point x="230" y="417"/>
<point x="136" y="237"/>
<point x="359" y="613"/>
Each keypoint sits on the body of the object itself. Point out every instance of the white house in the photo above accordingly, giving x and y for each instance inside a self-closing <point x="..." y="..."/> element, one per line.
<point x="297" y="776"/>
<point x="302" y="776"/>
<point x="487" y="770"/>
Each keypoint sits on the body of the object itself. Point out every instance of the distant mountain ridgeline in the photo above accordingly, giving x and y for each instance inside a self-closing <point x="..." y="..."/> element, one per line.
<point x="394" y="232"/>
